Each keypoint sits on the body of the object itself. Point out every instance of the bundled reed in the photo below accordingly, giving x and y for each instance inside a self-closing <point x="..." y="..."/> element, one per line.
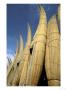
<point x="45" y="46"/>
<point x="26" y="59"/>
<point x="38" y="45"/>
<point x="21" y="70"/>
<point x="13" y="66"/>
<point x="52" y="58"/>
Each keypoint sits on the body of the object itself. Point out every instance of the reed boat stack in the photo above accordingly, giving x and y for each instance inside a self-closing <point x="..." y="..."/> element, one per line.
<point x="43" y="49"/>
<point x="21" y="71"/>
<point x="13" y="66"/>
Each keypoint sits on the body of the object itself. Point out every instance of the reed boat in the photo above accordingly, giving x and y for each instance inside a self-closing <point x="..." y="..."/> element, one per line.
<point x="12" y="68"/>
<point x="20" y="74"/>
<point x="38" y="50"/>
<point x="26" y="59"/>
<point x="52" y="57"/>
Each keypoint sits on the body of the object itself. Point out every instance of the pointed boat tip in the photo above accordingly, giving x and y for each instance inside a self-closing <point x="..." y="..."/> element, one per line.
<point x="38" y="7"/>
<point x="53" y="18"/>
<point x="29" y="28"/>
<point x="28" y="25"/>
<point x="21" y="39"/>
<point x="17" y="43"/>
<point x="42" y="9"/>
<point x="17" y="47"/>
<point x="42" y="18"/>
<point x="52" y="24"/>
<point x="42" y="12"/>
<point x="21" y="44"/>
<point x="28" y="41"/>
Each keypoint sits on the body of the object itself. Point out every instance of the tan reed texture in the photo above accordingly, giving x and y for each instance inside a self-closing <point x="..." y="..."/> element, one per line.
<point x="26" y="59"/>
<point x="52" y="58"/>
<point x="14" y="64"/>
<point x="23" y="63"/>
<point x="10" y="69"/>
<point x="38" y="52"/>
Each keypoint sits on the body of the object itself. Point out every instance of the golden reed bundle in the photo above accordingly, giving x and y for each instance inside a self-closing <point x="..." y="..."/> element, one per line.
<point x="21" y="70"/>
<point x="13" y="66"/>
<point x="38" y="45"/>
<point x="52" y="58"/>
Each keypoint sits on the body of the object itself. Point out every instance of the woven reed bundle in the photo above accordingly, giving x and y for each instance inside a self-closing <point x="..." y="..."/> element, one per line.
<point x="26" y="59"/>
<point x="17" y="73"/>
<point x="52" y="58"/>
<point x="10" y="69"/>
<point x="16" y="61"/>
<point x="37" y="57"/>
<point x="20" y="71"/>
<point x="15" y="81"/>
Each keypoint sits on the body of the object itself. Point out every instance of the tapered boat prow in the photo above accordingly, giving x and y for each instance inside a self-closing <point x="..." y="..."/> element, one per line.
<point x="21" y="44"/>
<point x="52" y="24"/>
<point x="29" y="36"/>
<point x="42" y="24"/>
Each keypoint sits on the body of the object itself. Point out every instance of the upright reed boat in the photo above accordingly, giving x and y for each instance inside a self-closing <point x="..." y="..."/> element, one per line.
<point x="12" y="68"/>
<point x="26" y="57"/>
<point x="52" y="58"/>
<point x="38" y="52"/>
<point x="22" y="65"/>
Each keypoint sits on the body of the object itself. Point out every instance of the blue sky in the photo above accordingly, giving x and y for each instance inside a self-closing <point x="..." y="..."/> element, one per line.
<point x="18" y="16"/>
